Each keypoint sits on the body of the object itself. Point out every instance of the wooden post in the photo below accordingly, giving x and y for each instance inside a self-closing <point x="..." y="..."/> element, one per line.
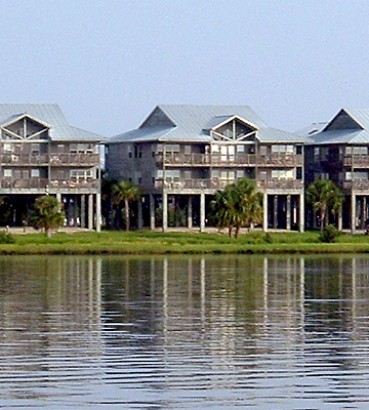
<point x="265" y="212"/>
<point x="165" y="211"/>
<point x="302" y="213"/>
<point x="139" y="211"/>
<point x="98" y="212"/>
<point x="353" y="212"/>
<point x="83" y="211"/>
<point x="152" y="212"/>
<point x="275" y="212"/>
<point x="189" y="212"/>
<point x="202" y="212"/>
<point x="288" y="213"/>
<point x="90" y="212"/>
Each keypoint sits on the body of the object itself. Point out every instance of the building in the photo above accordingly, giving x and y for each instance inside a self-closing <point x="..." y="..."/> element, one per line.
<point x="182" y="154"/>
<point x="338" y="150"/>
<point x="42" y="154"/>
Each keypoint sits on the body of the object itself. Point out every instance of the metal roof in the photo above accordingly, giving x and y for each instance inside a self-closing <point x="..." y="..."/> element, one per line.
<point x="192" y="123"/>
<point x="349" y="126"/>
<point x="52" y="116"/>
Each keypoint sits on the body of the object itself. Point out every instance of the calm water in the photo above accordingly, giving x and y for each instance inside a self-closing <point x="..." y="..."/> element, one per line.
<point x="184" y="332"/>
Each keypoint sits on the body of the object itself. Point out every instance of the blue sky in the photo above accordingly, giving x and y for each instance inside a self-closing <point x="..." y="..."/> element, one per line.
<point x="107" y="63"/>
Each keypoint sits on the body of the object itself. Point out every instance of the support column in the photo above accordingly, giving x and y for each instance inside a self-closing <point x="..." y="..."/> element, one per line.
<point x="275" y="212"/>
<point x="340" y="220"/>
<point x="302" y="213"/>
<point x="59" y="197"/>
<point x="202" y="212"/>
<point x="152" y="212"/>
<point x="265" y="212"/>
<point x="90" y="212"/>
<point x="139" y="216"/>
<point x="288" y="213"/>
<point x="189" y="212"/>
<point x="165" y="211"/>
<point x="98" y="212"/>
<point x="353" y="212"/>
<point x="363" y="212"/>
<point x="83" y="211"/>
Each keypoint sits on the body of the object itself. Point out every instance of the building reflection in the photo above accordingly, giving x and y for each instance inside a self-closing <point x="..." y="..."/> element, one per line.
<point x="162" y="316"/>
<point x="50" y="320"/>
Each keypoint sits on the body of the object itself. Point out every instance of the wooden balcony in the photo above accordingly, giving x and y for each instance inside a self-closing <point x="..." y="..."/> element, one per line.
<point x="217" y="184"/>
<point x="282" y="184"/>
<point x="237" y="160"/>
<point x="43" y="184"/>
<point x="24" y="184"/>
<point x="50" y="159"/>
<point x="358" y="185"/>
<point x="74" y="159"/>
<point x="356" y="161"/>
<point x="24" y="159"/>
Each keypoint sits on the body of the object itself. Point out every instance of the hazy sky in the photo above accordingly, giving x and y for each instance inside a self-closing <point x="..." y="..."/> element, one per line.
<point x="107" y="63"/>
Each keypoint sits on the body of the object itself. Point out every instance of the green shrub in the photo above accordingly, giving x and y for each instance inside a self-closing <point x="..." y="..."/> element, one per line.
<point x="268" y="238"/>
<point x="6" y="237"/>
<point x="329" y="234"/>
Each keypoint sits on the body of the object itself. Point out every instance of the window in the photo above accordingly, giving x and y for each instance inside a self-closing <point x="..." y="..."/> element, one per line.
<point x="359" y="176"/>
<point x="282" y="149"/>
<point x="175" y="173"/>
<point x="187" y="149"/>
<point x="282" y="174"/>
<point x="25" y="174"/>
<point x="7" y="173"/>
<point x="240" y="148"/>
<point x="35" y="149"/>
<point x="17" y="174"/>
<point x="359" y="150"/>
<point x="35" y="173"/>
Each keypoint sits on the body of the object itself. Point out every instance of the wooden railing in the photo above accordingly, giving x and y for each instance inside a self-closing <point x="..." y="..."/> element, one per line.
<point x="178" y="159"/>
<point x="74" y="159"/>
<point x="356" y="160"/>
<point x="44" y="183"/>
<point x="24" y="159"/>
<point x="358" y="185"/>
<point x="32" y="183"/>
<point x="52" y="159"/>
<point x="216" y="183"/>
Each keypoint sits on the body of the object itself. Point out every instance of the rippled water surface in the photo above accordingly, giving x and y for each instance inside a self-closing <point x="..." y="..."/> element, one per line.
<point x="184" y="332"/>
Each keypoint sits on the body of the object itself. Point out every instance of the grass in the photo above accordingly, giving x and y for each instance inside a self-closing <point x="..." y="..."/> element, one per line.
<point x="148" y="242"/>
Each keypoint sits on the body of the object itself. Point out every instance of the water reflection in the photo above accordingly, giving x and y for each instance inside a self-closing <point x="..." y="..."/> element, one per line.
<point x="184" y="332"/>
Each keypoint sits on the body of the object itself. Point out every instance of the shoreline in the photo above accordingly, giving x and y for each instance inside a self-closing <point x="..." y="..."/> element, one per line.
<point x="180" y="242"/>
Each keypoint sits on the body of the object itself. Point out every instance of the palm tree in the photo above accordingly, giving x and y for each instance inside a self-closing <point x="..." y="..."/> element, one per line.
<point x="124" y="192"/>
<point x="248" y="203"/>
<point x="325" y="197"/>
<point x="47" y="214"/>
<point x="223" y="208"/>
<point x="237" y="205"/>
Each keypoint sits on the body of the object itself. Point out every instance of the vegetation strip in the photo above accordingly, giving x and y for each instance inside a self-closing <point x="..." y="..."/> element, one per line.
<point x="145" y="242"/>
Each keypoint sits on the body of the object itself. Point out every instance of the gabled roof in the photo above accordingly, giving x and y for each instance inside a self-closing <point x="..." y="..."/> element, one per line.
<point x="51" y="116"/>
<point x="192" y="123"/>
<point x="349" y="126"/>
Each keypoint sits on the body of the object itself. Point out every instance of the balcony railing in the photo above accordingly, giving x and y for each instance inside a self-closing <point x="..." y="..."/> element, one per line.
<point x="53" y="159"/>
<point x="74" y="159"/>
<point x="178" y="159"/>
<point x="32" y="183"/>
<point x="24" y="159"/>
<point x="44" y="183"/>
<point x="358" y="185"/>
<point x="216" y="183"/>
<point x="356" y="160"/>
